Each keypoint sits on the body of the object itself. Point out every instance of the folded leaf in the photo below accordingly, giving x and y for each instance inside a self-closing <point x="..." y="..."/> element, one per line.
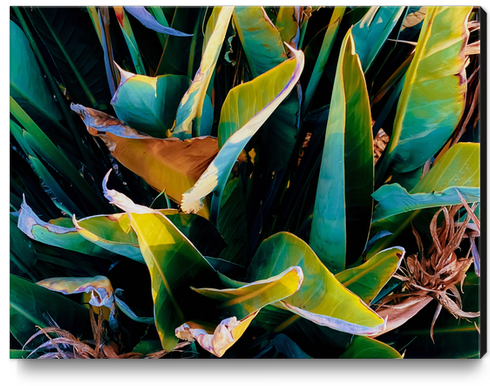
<point x="267" y="92"/>
<point x="321" y="299"/>
<point x="367" y="348"/>
<point x="251" y="297"/>
<point x="149" y="104"/>
<point x="99" y="287"/>
<point x="433" y="96"/>
<point x="166" y="164"/>
<point x="343" y="206"/>
<point x="145" y="18"/>
<point x="189" y="114"/>
<point x="129" y="312"/>
<point x="174" y="265"/>
<point x="223" y="337"/>
<point x="369" y="278"/>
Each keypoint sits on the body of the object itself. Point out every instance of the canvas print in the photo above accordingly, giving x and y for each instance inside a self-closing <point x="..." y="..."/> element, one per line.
<point x="246" y="182"/>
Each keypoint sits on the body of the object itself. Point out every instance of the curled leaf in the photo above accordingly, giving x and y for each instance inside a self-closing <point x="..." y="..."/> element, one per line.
<point x="99" y="287"/>
<point x="283" y="76"/>
<point x="223" y="337"/>
<point x="166" y="164"/>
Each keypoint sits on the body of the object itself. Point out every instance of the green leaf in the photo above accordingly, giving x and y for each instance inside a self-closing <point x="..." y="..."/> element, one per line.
<point x="393" y="199"/>
<point x="145" y="18"/>
<point x="32" y="305"/>
<point x="321" y="299"/>
<point x="27" y="85"/>
<point x="369" y="278"/>
<point x="458" y="168"/>
<point x="174" y="265"/>
<point x="149" y="104"/>
<point x="433" y="96"/>
<point x="73" y="44"/>
<point x="22" y="253"/>
<point x="245" y="109"/>
<point x="367" y="348"/>
<point x="55" y="234"/>
<point x="44" y="147"/>
<point x="343" y="205"/>
<point x="260" y="39"/>
<point x="190" y="112"/>
<point x="242" y="301"/>
<point x="323" y="55"/>
<point x="289" y="348"/>
<point x="130" y="313"/>
<point x="372" y="31"/>
<point x="19" y="354"/>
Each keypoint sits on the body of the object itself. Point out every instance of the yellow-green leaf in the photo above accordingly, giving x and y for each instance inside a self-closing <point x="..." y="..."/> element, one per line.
<point x="189" y="113"/>
<point x="265" y="93"/>
<point x="369" y="278"/>
<point x="433" y="96"/>
<point x="321" y="299"/>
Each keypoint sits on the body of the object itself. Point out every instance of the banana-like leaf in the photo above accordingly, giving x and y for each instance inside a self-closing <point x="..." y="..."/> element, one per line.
<point x="56" y="235"/>
<point x="145" y="18"/>
<point x="166" y="164"/>
<point x="174" y="265"/>
<point x="111" y="232"/>
<point x="27" y="85"/>
<point x="129" y="312"/>
<point x="323" y="55"/>
<point x="433" y="96"/>
<point x="368" y="348"/>
<point x="190" y="111"/>
<point x="458" y="168"/>
<point x="251" y="297"/>
<point x="32" y="305"/>
<point x="267" y="92"/>
<point x="99" y="287"/>
<point x="260" y="39"/>
<point x="287" y="347"/>
<point x="369" y="278"/>
<point x="393" y="199"/>
<point x="224" y="336"/>
<point x="321" y="299"/>
<point x="457" y="171"/>
<point x="371" y="32"/>
<point x="149" y="104"/>
<point x="346" y="179"/>
<point x="19" y="354"/>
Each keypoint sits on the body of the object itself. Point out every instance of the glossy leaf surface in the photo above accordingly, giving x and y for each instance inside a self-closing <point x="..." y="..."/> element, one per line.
<point x="432" y="100"/>
<point x="321" y="298"/>
<point x="346" y="178"/>
<point x="369" y="278"/>
<point x="267" y="92"/>
<point x="190" y="112"/>
<point x="174" y="266"/>
<point x="251" y="297"/>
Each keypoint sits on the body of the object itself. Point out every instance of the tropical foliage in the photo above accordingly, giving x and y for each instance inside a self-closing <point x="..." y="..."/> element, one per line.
<point x="295" y="182"/>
